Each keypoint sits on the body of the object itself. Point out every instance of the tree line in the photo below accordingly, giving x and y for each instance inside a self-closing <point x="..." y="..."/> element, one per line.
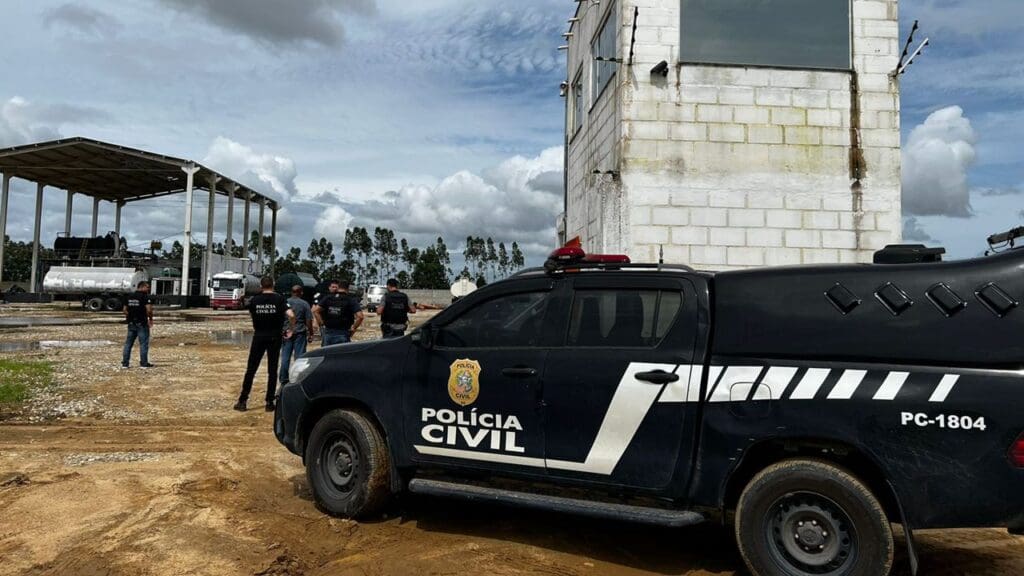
<point x="366" y="257"/>
<point x="372" y="257"/>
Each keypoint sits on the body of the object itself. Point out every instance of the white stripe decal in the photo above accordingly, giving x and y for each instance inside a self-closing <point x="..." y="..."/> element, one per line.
<point x="495" y="457"/>
<point x="810" y="384"/>
<point x="676" y="391"/>
<point x="736" y="384"/>
<point x="892" y="386"/>
<point x="847" y="385"/>
<point x="630" y="404"/>
<point x="775" y="383"/>
<point x="713" y="374"/>
<point x="944" y="388"/>
<point x="693" y="391"/>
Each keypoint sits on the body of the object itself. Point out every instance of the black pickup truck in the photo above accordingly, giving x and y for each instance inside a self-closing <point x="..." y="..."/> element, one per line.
<point x="810" y="406"/>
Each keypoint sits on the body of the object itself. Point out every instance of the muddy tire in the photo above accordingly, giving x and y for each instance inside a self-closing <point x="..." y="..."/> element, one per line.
<point x="347" y="465"/>
<point x="811" y="518"/>
<point x="94" y="304"/>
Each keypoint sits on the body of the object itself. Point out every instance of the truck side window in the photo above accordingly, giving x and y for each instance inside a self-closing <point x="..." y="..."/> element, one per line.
<point x="511" y="321"/>
<point x="622" y="318"/>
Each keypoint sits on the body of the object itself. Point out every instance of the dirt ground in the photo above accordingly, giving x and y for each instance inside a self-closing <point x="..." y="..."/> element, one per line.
<point x="151" y="473"/>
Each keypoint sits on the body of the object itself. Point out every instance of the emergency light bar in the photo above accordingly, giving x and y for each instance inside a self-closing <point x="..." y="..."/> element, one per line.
<point x="570" y="258"/>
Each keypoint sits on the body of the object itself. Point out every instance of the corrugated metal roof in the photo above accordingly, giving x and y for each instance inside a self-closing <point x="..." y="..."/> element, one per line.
<point x="111" y="172"/>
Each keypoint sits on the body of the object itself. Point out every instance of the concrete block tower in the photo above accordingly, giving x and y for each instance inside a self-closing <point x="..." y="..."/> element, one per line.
<point x="732" y="134"/>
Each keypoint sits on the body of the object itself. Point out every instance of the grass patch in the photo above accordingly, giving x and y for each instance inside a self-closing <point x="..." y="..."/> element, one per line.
<point x="19" y="378"/>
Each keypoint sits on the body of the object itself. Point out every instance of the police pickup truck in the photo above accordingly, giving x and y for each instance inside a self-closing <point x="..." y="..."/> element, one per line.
<point x="810" y="406"/>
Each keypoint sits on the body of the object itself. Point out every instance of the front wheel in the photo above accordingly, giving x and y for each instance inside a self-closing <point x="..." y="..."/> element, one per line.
<point x="347" y="465"/>
<point x="811" y="518"/>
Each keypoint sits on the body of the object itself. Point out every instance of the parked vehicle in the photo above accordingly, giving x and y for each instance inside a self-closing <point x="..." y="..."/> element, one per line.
<point x="100" y="289"/>
<point x="231" y="290"/>
<point x="374" y="296"/>
<point x="810" y="406"/>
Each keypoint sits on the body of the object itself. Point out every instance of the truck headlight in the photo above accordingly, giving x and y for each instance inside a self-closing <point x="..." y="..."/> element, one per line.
<point x="303" y="367"/>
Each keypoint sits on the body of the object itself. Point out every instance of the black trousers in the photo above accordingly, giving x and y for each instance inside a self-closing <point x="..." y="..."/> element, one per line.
<point x="271" y="346"/>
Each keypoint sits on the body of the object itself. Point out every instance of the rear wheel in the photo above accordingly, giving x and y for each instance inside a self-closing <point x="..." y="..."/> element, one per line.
<point x="112" y="304"/>
<point x="347" y="465"/>
<point x="811" y="518"/>
<point x="94" y="304"/>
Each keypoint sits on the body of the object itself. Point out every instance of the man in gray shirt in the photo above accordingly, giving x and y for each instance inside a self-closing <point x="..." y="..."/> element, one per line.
<point x="295" y="346"/>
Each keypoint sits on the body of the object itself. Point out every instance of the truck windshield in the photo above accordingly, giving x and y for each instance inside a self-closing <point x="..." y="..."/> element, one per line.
<point x="227" y="284"/>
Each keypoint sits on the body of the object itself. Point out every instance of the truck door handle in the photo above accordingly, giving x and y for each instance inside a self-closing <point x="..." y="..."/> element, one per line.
<point x="519" y="372"/>
<point x="658" y="377"/>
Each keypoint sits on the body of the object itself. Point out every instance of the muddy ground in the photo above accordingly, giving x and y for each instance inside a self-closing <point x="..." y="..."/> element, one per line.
<point x="151" y="473"/>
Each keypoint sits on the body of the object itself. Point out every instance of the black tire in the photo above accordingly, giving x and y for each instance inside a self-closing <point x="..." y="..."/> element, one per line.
<point x="812" y="518"/>
<point x="347" y="465"/>
<point x="94" y="305"/>
<point x="113" y="305"/>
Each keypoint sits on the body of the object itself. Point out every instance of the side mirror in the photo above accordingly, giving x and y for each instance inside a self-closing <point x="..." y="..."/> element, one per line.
<point x="424" y="337"/>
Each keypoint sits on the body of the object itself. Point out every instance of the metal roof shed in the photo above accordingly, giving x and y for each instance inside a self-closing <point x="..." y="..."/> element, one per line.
<point x="121" y="175"/>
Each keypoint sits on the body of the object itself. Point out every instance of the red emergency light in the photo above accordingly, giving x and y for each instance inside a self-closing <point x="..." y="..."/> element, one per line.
<point x="1017" y="452"/>
<point x="573" y="256"/>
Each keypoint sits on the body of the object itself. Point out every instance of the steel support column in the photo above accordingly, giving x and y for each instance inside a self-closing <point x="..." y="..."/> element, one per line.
<point x="245" y="226"/>
<point x="273" y="237"/>
<point x="35" y="238"/>
<point x="259" y="246"/>
<point x="5" y="192"/>
<point x="95" y="217"/>
<point x="68" y="213"/>
<point x="208" y="256"/>
<point x="190" y="174"/>
<point x="229" y="244"/>
<point x="117" y="219"/>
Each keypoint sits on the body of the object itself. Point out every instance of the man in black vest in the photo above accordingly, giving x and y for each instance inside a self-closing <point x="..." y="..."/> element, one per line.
<point x="338" y="314"/>
<point x="268" y="310"/>
<point x="394" y="312"/>
<point x="138" y="311"/>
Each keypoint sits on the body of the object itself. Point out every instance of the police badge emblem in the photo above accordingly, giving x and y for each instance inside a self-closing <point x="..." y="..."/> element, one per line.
<point x="464" y="382"/>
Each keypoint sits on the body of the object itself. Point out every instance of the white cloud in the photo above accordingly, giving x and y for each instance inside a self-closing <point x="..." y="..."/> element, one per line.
<point x="24" y="122"/>
<point x="518" y="200"/>
<point x="18" y="124"/>
<point x="936" y="159"/>
<point x="264" y="173"/>
<point x="332" y="223"/>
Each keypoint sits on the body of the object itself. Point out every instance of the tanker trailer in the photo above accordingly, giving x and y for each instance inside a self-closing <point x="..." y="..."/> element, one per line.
<point x="231" y="290"/>
<point x="98" y="288"/>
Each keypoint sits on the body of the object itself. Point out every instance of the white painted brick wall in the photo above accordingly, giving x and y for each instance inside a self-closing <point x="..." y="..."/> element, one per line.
<point x="729" y="167"/>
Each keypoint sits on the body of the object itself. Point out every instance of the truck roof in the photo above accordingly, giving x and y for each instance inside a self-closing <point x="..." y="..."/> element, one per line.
<point x="942" y="313"/>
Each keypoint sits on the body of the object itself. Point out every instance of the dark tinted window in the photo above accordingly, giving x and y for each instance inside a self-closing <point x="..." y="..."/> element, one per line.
<point x="622" y="318"/>
<point x="508" y="321"/>
<point x="605" y="46"/>
<point x="784" y="33"/>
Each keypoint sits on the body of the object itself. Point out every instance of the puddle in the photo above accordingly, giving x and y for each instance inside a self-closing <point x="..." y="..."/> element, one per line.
<point x="29" y="322"/>
<point x="28" y="346"/>
<point x="239" y="338"/>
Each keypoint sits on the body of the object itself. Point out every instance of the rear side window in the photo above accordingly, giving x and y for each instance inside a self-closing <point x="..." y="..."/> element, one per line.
<point x="622" y="318"/>
<point x="511" y="321"/>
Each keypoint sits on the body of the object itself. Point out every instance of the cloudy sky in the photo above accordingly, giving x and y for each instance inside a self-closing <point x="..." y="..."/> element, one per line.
<point x="434" y="116"/>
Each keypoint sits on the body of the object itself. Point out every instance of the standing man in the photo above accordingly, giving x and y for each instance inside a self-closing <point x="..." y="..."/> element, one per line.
<point x="338" y="314"/>
<point x="138" y="311"/>
<point x="394" y="312"/>
<point x="296" y="345"/>
<point x="268" y="310"/>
